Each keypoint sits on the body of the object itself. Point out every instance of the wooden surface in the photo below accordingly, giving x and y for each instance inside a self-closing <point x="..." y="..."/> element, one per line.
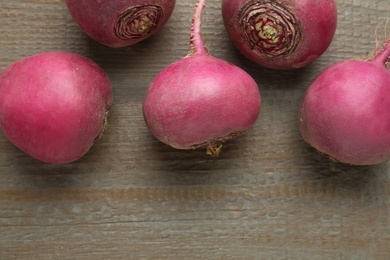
<point x="268" y="196"/>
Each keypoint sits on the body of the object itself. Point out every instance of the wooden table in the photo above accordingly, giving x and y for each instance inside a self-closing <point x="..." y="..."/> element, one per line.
<point x="268" y="196"/>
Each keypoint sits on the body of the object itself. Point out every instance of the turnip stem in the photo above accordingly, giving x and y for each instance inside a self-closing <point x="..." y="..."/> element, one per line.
<point x="196" y="41"/>
<point x="384" y="54"/>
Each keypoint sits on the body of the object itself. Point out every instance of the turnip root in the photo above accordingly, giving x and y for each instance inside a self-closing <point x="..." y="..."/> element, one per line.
<point x="120" y="23"/>
<point x="200" y="101"/>
<point x="345" y="112"/>
<point x="280" y="34"/>
<point x="54" y="105"/>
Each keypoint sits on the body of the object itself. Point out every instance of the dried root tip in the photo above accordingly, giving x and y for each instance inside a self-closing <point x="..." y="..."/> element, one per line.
<point x="137" y="22"/>
<point x="214" y="149"/>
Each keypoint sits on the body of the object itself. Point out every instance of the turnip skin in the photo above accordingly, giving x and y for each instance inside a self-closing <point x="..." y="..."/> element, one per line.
<point x="199" y="100"/>
<point x="308" y="30"/>
<point x="120" y="23"/>
<point x="54" y="105"/>
<point x="345" y="111"/>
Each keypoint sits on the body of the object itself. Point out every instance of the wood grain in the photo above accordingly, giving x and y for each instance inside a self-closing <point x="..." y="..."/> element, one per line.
<point x="268" y="196"/>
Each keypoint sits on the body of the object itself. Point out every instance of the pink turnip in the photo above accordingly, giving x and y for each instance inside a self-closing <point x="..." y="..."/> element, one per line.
<point x="280" y="34"/>
<point x="200" y="101"/>
<point x="120" y="23"/>
<point x="345" y="112"/>
<point x="54" y="105"/>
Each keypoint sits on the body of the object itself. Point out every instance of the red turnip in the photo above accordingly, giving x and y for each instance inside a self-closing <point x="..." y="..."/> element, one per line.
<point x="280" y="34"/>
<point x="53" y="106"/>
<point x="120" y="23"/>
<point x="345" y="112"/>
<point x="200" y="101"/>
